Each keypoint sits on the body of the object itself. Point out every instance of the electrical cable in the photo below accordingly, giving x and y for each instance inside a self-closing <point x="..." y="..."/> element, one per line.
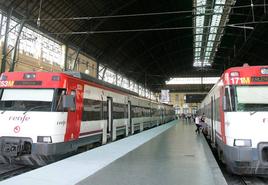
<point x="112" y="16"/>
<point x="133" y="15"/>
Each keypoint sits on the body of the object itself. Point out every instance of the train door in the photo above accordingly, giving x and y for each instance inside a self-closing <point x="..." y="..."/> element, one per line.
<point x="74" y="115"/>
<point x="212" y="119"/>
<point x="162" y="116"/>
<point x="129" y="117"/>
<point x="110" y="117"/>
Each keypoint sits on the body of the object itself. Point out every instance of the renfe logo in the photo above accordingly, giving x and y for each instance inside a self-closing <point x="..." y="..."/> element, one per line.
<point x="19" y="118"/>
<point x="16" y="129"/>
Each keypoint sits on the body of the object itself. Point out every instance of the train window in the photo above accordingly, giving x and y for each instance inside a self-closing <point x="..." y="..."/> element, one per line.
<point x="217" y="109"/>
<point x="252" y="98"/>
<point x="1" y="90"/>
<point x="28" y="95"/>
<point x="73" y="93"/>
<point x="104" y="110"/>
<point x="26" y="99"/>
<point x="136" y="111"/>
<point x="119" y="111"/>
<point x="92" y="110"/>
<point x="229" y="103"/>
<point x="58" y="100"/>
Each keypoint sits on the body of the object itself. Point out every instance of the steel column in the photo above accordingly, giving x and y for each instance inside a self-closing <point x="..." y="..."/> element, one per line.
<point x="4" y="50"/>
<point x="97" y="70"/>
<point x="104" y="73"/>
<point x="14" y="55"/>
<point x="66" y="57"/>
<point x="1" y="25"/>
<point x="76" y="58"/>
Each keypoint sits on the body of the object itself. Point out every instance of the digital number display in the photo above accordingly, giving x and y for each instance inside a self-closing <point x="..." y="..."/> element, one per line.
<point x="28" y="83"/>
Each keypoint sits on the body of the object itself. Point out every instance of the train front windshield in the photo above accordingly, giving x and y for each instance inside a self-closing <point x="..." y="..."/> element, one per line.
<point x="251" y="98"/>
<point x="26" y="99"/>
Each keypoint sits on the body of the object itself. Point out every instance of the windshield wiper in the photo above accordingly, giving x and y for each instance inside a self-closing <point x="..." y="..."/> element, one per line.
<point x="36" y="107"/>
<point x="251" y="113"/>
<point x="7" y="109"/>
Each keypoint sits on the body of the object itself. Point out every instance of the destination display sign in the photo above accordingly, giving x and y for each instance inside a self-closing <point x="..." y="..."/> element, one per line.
<point x="259" y="79"/>
<point x="28" y="83"/>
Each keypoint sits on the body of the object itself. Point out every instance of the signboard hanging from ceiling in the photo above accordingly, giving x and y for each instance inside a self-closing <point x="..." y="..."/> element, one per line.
<point x="165" y="96"/>
<point x="194" y="98"/>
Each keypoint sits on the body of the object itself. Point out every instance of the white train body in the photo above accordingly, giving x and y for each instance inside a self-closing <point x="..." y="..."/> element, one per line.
<point x="45" y="116"/>
<point x="33" y="124"/>
<point x="237" y="119"/>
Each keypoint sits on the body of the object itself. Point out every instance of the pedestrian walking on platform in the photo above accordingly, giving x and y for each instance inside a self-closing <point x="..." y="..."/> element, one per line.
<point x="198" y="124"/>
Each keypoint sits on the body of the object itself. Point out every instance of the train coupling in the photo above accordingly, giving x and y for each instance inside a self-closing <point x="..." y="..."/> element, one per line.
<point x="14" y="146"/>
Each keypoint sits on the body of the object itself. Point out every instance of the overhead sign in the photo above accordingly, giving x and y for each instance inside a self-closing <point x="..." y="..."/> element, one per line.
<point x="164" y="95"/>
<point x="195" y="98"/>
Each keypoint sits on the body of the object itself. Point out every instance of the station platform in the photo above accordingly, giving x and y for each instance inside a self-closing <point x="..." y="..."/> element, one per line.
<point x="169" y="154"/>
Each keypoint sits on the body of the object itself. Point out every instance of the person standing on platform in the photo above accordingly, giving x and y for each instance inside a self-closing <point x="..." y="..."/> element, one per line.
<point x="198" y="124"/>
<point x="203" y="121"/>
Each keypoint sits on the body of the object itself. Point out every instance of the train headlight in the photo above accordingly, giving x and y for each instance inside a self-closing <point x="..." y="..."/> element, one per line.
<point x="29" y="76"/>
<point x="44" y="139"/>
<point x="3" y="77"/>
<point x="264" y="71"/>
<point x="242" y="142"/>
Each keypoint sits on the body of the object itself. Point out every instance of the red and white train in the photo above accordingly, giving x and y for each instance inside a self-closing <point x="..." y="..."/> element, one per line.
<point x="237" y="117"/>
<point x="44" y="115"/>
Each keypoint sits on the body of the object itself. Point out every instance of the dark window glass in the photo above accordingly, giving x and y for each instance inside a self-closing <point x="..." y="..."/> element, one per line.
<point x="146" y="112"/>
<point x="92" y="110"/>
<point x="136" y="111"/>
<point x="104" y="111"/>
<point x="230" y="99"/>
<point x="1" y="90"/>
<point x="58" y="97"/>
<point x="154" y="112"/>
<point x="119" y="111"/>
<point x="25" y="105"/>
<point x="217" y="108"/>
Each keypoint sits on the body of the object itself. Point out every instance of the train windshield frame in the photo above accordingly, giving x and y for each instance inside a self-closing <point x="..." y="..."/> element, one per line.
<point x="26" y="99"/>
<point x="251" y="98"/>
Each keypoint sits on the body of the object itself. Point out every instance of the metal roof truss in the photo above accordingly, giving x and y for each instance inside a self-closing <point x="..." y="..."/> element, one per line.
<point x="210" y="17"/>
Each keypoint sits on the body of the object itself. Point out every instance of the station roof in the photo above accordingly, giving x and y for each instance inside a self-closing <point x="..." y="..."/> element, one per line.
<point x="151" y="41"/>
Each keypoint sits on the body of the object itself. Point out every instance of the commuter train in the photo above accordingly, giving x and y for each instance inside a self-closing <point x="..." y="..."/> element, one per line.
<point x="45" y="115"/>
<point x="236" y="110"/>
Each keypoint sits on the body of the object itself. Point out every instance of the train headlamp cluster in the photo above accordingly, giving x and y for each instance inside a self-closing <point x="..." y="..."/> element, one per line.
<point x="3" y="77"/>
<point x="234" y="74"/>
<point x="44" y="139"/>
<point x="264" y="71"/>
<point x="29" y="76"/>
<point x="55" y="78"/>
<point x="242" y="142"/>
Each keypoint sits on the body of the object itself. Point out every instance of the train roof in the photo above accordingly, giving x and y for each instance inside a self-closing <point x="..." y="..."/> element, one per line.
<point x="80" y="76"/>
<point x="86" y="77"/>
<point x="246" y="70"/>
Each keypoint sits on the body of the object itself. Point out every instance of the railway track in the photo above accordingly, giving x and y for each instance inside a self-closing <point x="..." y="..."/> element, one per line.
<point x="254" y="180"/>
<point x="11" y="170"/>
<point x="233" y="179"/>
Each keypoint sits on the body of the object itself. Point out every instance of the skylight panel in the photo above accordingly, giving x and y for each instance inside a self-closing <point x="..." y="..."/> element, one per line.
<point x="220" y="2"/>
<point x="201" y="2"/>
<point x="218" y="9"/>
<point x="209" y="38"/>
